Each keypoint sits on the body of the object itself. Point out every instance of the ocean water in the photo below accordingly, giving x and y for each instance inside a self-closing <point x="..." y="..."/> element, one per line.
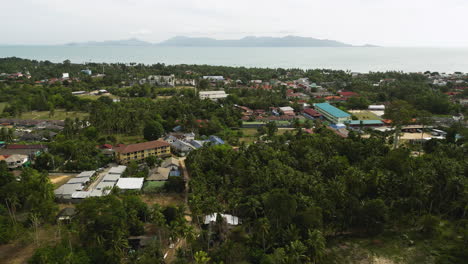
<point x="355" y="59"/>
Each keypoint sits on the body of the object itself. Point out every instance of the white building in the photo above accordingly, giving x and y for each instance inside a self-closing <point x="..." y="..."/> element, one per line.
<point x="214" y="78"/>
<point x="130" y="183"/>
<point x="159" y="80"/>
<point x="213" y="95"/>
<point x="16" y="161"/>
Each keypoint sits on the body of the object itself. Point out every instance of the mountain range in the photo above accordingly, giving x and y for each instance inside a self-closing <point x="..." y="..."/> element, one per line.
<point x="250" y="41"/>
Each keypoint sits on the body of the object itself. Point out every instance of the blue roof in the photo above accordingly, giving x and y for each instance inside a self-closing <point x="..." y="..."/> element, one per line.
<point x="332" y="110"/>
<point x="216" y="140"/>
<point x="365" y="122"/>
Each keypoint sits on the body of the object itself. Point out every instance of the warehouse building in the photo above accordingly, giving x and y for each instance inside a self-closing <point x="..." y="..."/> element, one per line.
<point x="331" y="113"/>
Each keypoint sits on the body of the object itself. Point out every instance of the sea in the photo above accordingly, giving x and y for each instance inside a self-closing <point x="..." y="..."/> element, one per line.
<point x="354" y="59"/>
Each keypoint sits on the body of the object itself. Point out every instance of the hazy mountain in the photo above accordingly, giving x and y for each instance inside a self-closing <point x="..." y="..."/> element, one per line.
<point x="181" y="41"/>
<point x="288" y="41"/>
<point x="126" y="42"/>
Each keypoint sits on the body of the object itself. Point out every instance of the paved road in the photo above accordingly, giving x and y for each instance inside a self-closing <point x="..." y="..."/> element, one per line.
<point x="98" y="179"/>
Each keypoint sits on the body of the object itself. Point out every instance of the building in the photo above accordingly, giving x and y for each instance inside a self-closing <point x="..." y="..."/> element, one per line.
<point x="130" y="183"/>
<point x="311" y="114"/>
<point x="140" y="151"/>
<point x="331" y="113"/>
<point x="287" y="110"/>
<point x="119" y="170"/>
<point x="16" y="161"/>
<point x="159" y="80"/>
<point x="212" y="95"/>
<point x="214" y="78"/>
<point x="377" y="107"/>
<point x="230" y="219"/>
<point x="365" y="123"/>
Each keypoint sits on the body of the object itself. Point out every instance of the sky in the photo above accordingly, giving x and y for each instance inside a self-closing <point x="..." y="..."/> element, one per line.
<point x="431" y="23"/>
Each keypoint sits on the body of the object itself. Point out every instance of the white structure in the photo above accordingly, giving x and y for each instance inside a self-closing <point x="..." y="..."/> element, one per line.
<point x="377" y="107"/>
<point x="111" y="178"/>
<point x="230" y="219"/>
<point x="16" y="161"/>
<point x="213" y="95"/>
<point x="85" y="174"/>
<point x="214" y="78"/>
<point x="159" y="80"/>
<point x="130" y="183"/>
<point x="117" y="170"/>
<point x="65" y="75"/>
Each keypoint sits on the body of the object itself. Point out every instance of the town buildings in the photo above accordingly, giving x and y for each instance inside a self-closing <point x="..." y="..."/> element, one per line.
<point x="140" y="151"/>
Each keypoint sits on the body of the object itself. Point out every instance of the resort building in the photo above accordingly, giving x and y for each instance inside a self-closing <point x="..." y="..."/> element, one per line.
<point x="213" y="95"/>
<point x="331" y="113"/>
<point x="140" y="151"/>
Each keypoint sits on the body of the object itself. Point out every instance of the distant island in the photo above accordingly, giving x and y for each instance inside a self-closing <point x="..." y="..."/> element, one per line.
<point x="250" y="41"/>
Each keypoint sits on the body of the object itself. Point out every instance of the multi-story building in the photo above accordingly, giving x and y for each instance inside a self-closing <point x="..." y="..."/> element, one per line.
<point x="331" y="113"/>
<point x="213" y="95"/>
<point x="140" y="151"/>
<point x="159" y="80"/>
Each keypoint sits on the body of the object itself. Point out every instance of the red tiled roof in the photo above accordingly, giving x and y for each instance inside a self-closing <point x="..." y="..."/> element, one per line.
<point x="142" y="146"/>
<point x="348" y="94"/>
<point x="312" y="112"/>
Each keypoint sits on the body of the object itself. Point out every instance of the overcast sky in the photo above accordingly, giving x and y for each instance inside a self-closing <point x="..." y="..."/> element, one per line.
<point x="380" y="22"/>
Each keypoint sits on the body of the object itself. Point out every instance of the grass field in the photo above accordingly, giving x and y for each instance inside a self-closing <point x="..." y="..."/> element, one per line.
<point x="2" y="106"/>
<point x="384" y="249"/>
<point x="251" y="133"/>
<point x="95" y="97"/>
<point x="365" y="115"/>
<point x="60" y="114"/>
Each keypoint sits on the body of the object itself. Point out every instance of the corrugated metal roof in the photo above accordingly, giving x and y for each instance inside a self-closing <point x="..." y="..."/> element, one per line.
<point x="130" y="183"/>
<point x="332" y="110"/>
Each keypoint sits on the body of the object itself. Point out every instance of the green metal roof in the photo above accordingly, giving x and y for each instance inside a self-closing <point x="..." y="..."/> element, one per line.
<point x="365" y="122"/>
<point x="332" y="110"/>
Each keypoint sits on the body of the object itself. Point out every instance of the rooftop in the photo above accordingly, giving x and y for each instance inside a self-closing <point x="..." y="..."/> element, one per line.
<point x="130" y="183"/>
<point x="142" y="146"/>
<point x="332" y="110"/>
<point x="117" y="170"/>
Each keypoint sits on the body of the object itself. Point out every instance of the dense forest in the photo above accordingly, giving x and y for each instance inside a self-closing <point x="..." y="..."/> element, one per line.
<point x="297" y="191"/>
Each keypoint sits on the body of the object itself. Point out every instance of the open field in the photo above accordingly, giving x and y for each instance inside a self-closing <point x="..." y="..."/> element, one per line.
<point x="388" y="249"/>
<point x="95" y="97"/>
<point x="163" y="199"/>
<point x="251" y="133"/>
<point x="60" y="114"/>
<point x="20" y="250"/>
<point x="60" y="179"/>
<point x="364" y="115"/>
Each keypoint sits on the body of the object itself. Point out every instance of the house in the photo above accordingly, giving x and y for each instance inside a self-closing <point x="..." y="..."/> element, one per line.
<point x="66" y="214"/>
<point x="230" y="219"/>
<point x="160" y="174"/>
<point x="130" y="183"/>
<point x="65" y="191"/>
<point x="377" y="107"/>
<point x="311" y="114"/>
<point x="346" y="94"/>
<point x="331" y="113"/>
<point x="212" y="95"/>
<point x="181" y="147"/>
<point x="140" y="151"/>
<point x="287" y="110"/>
<point x="16" y="161"/>
<point x="86" y="174"/>
<point x="171" y="163"/>
<point x="215" y="140"/>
